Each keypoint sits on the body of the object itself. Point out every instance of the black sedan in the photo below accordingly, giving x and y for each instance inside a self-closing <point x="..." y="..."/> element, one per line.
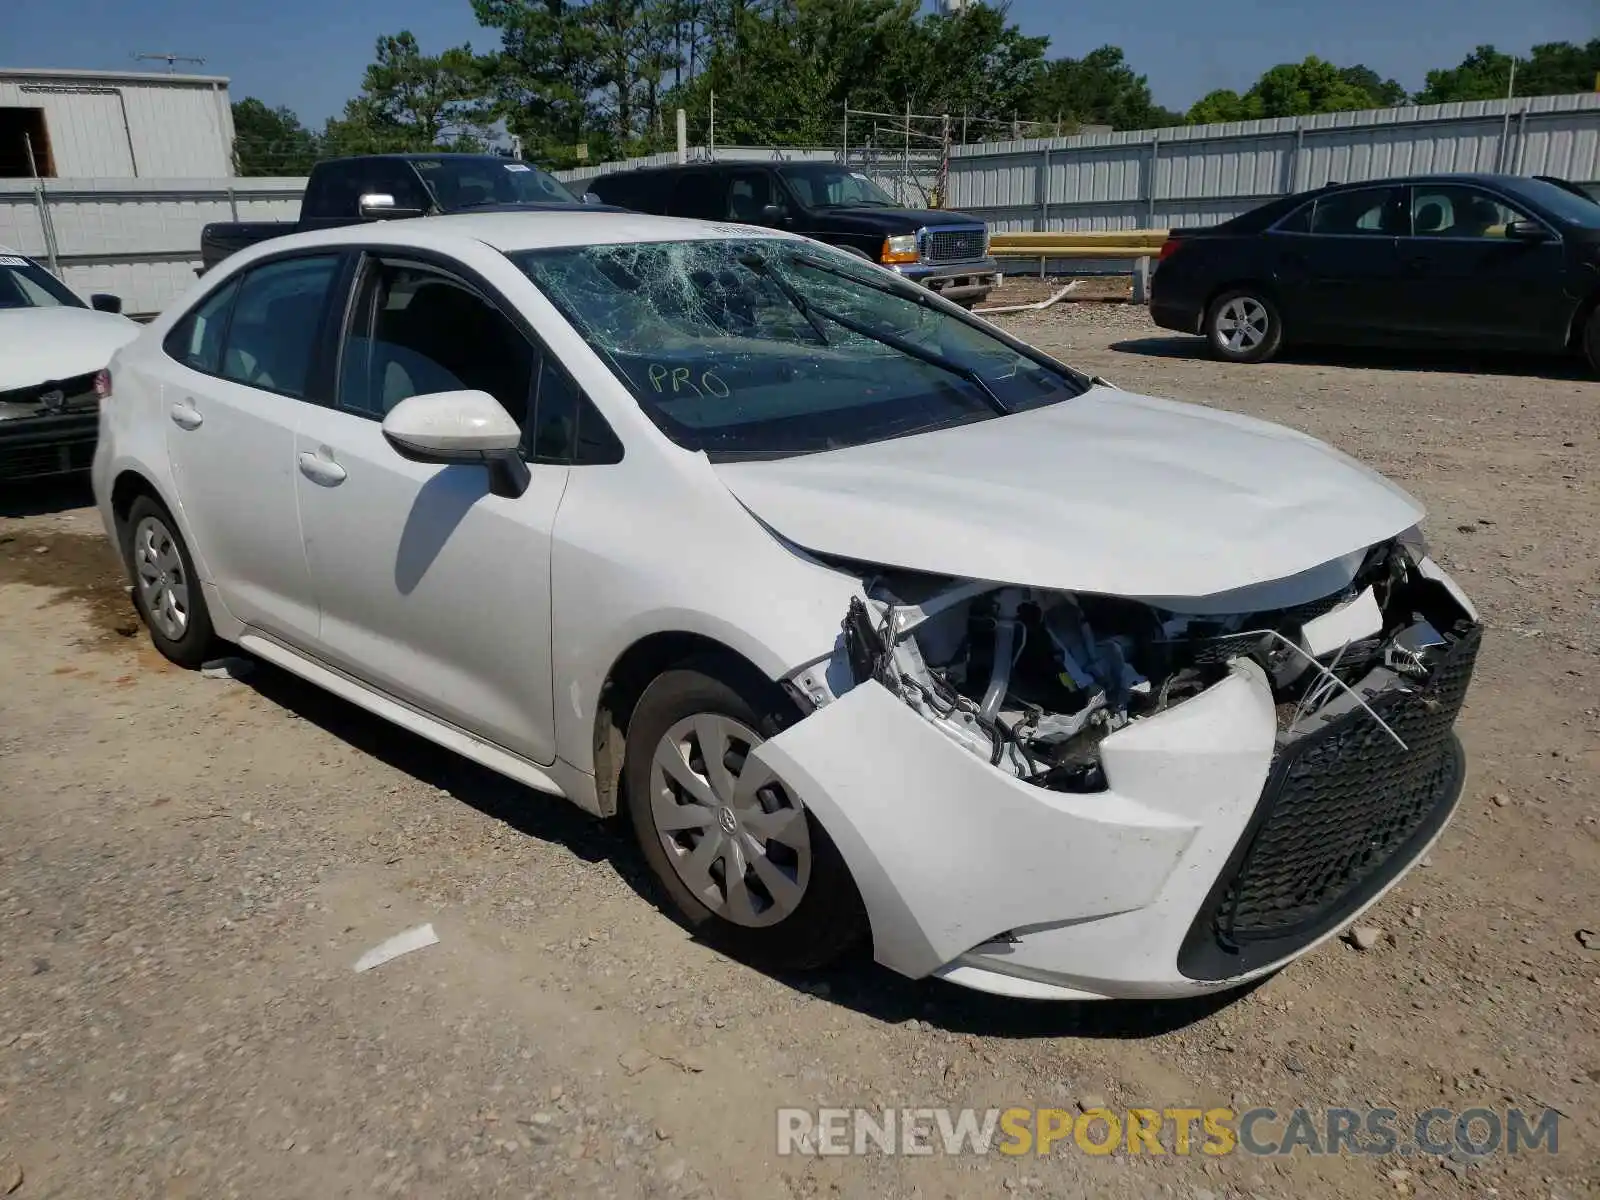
<point x="1488" y="261"/>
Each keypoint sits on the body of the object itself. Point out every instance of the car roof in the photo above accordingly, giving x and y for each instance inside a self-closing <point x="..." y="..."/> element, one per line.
<point x="545" y="229"/>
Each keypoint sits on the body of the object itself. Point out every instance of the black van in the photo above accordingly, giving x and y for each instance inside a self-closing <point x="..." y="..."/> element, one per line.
<point x="946" y="251"/>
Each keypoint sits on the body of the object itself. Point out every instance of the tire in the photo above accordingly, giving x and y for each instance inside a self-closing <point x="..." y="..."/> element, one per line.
<point x="807" y="924"/>
<point x="1243" y="325"/>
<point x="166" y="590"/>
<point x="1591" y="340"/>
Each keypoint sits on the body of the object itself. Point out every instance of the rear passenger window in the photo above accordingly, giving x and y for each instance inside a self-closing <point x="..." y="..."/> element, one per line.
<point x="1374" y="212"/>
<point x="272" y="338"/>
<point x="196" y="341"/>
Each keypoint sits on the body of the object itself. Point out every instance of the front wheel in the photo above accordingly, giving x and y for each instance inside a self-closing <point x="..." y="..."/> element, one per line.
<point x="733" y="847"/>
<point x="1243" y="325"/>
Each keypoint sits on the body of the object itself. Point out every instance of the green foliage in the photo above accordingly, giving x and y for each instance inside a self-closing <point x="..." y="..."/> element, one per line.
<point x="270" y="141"/>
<point x="1099" y="89"/>
<point x="1296" y="89"/>
<point x="601" y="78"/>
<point x="1551" y="69"/>
<point x="413" y="101"/>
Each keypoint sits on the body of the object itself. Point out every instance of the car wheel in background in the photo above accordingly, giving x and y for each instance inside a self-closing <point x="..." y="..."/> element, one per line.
<point x="1591" y="341"/>
<point x="166" y="589"/>
<point x="1243" y="325"/>
<point x="741" y="859"/>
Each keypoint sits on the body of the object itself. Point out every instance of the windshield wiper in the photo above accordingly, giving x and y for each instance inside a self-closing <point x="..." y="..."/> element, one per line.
<point x="909" y="348"/>
<point x="761" y="267"/>
<point x="893" y="286"/>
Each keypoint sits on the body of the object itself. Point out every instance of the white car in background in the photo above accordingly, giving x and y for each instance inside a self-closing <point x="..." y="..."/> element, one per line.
<point x="52" y="346"/>
<point x="878" y="622"/>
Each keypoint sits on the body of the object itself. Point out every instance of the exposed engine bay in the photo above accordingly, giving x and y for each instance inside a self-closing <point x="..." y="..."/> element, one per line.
<point x="1034" y="680"/>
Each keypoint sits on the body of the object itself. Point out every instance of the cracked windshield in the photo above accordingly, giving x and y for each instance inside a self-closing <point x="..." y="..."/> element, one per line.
<point x="762" y="347"/>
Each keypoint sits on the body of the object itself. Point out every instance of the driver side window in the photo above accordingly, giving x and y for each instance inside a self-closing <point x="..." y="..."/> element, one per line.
<point x="417" y="329"/>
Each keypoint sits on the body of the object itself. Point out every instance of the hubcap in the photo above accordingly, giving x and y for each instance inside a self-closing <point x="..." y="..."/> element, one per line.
<point x="1242" y="323"/>
<point x="163" y="583"/>
<point x="735" y="836"/>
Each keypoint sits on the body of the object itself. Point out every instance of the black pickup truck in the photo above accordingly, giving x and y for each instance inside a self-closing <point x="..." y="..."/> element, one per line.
<point x="947" y="252"/>
<point x="377" y="187"/>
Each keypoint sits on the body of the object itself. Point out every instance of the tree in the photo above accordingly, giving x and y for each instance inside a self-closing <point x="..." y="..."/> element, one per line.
<point x="1551" y="69"/>
<point x="1099" y="89"/>
<point x="1485" y="74"/>
<point x="1555" y="68"/>
<point x="1296" y="89"/>
<point x="1384" y="93"/>
<point x="270" y="141"/>
<point x="542" y="77"/>
<point x="413" y="101"/>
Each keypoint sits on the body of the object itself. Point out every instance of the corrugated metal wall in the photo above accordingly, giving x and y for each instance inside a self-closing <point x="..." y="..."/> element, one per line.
<point x="139" y="239"/>
<point x="1199" y="175"/>
<point x="122" y="126"/>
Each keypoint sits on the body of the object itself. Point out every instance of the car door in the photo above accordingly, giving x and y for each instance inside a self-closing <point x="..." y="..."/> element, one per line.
<point x="1337" y="261"/>
<point x="245" y="364"/>
<point x="429" y="587"/>
<point x="1463" y="279"/>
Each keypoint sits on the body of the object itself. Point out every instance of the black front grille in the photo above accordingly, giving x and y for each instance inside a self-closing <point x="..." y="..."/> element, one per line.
<point x="953" y="245"/>
<point x="1343" y="809"/>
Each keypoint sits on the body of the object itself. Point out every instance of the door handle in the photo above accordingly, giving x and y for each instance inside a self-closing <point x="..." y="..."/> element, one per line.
<point x="321" y="470"/>
<point x="185" y="415"/>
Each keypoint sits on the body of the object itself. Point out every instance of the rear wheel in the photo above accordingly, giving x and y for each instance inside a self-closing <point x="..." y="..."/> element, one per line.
<point x="166" y="589"/>
<point x="743" y="862"/>
<point x="1591" y="341"/>
<point x="1243" y="325"/>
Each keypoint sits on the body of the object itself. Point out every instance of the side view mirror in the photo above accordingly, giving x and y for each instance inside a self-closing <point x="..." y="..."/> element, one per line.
<point x="774" y="214"/>
<point x="1526" y="231"/>
<point x="460" y="427"/>
<point x="105" y="302"/>
<point x="380" y="206"/>
<point x="592" y="198"/>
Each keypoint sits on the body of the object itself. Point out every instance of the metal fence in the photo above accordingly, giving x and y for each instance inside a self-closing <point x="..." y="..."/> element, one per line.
<point x="1203" y="174"/>
<point x="137" y="238"/>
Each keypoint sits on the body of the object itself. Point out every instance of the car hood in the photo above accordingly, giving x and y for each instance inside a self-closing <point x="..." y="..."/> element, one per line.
<point x="1111" y="492"/>
<point x="39" y="345"/>
<point x="871" y="219"/>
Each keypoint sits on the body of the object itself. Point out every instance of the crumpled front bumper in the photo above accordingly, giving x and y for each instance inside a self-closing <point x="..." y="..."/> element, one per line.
<point x="1000" y="885"/>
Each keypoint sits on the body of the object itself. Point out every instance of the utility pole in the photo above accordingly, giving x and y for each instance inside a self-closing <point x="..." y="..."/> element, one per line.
<point x="711" y="138"/>
<point x="846" y="156"/>
<point x="170" y="59"/>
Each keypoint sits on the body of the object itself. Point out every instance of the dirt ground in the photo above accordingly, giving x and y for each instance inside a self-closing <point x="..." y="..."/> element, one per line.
<point x="189" y="867"/>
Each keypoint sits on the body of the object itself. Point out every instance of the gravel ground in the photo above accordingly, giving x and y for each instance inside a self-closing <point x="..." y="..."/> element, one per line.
<point x="190" y="867"/>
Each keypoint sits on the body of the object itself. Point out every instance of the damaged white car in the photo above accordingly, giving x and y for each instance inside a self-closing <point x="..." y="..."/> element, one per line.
<point x="879" y="623"/>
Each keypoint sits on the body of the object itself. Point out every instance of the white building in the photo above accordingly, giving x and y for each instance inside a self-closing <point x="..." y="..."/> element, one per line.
<point x="114" y="125"/>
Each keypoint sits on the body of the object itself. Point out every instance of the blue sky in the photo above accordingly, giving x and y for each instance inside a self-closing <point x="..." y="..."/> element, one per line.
<point x="309" y="54"/>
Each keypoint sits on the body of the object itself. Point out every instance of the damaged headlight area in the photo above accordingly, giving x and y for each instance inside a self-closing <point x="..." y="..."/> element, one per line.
<point x="1035" y="680"/>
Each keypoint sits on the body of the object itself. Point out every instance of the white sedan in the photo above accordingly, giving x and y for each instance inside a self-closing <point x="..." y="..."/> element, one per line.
<point x="52" y="346"/>
<point x="878" y="623"/>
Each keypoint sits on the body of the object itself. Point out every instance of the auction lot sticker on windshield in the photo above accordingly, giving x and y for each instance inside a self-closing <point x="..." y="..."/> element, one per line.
<point x="518" y="167"/>
<point x="11" y="260"/>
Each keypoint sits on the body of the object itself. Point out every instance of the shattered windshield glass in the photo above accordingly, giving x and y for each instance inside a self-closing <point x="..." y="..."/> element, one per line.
<point x="764" y="347"/>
